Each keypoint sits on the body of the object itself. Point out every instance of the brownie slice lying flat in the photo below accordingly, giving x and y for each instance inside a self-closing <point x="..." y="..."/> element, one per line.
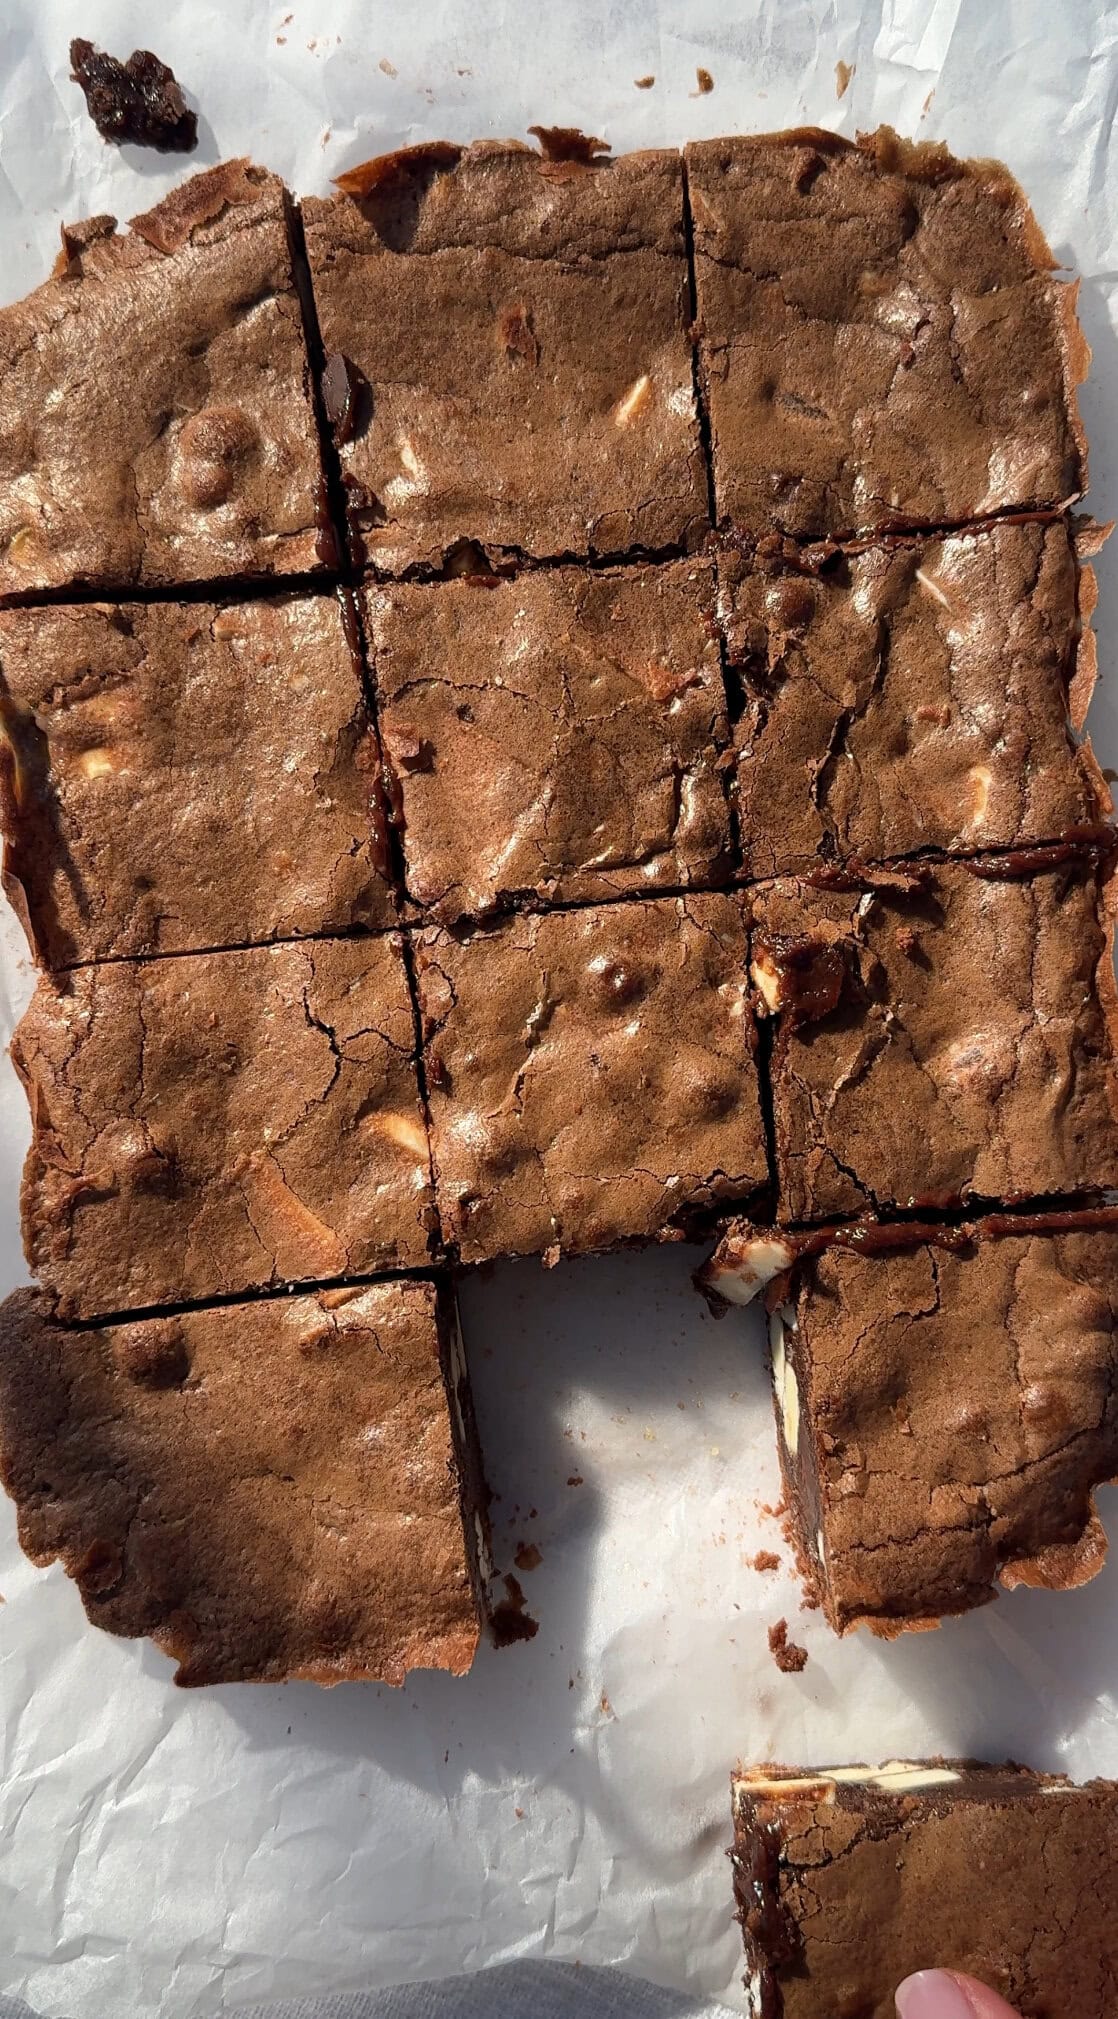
<point x="155" y="415"/>
<point x="881" y="340"/>
<point x="285" y="1488"/>
<point x="554" y="737"/>
<point x="209" y="1123"/>
<point x="914" y="695"/>
<point x="591" y="1075"/>
<point x="179" y="776"/>
<point x="947" y="1401"/>
<point x="514" y="357"/>
<point x="941" y="1034"/>
<point x="848" y="1879"/>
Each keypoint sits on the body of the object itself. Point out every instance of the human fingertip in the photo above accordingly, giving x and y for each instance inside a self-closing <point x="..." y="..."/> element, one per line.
<point x="933" y="1994"/>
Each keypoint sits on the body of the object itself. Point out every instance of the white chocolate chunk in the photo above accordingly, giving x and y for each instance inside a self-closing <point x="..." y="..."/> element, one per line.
<point x="629" y="407"/>
<point x="785" y="1385"/>
<point x="403" y="1130"/>
<point x="754" y="1264"/>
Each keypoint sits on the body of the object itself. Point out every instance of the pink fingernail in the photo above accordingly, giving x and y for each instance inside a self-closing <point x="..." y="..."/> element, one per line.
<point x="933" y="1994"/>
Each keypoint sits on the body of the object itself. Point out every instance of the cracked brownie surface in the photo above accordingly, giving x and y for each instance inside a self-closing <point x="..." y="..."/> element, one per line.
<point x="946" y="1402"/>
<point x="940" y="1035"/>
<point x="556" y="736"/>
<point x="206" y="1124"/>
<point x="880" y="337"/>
<point x="519" y="329"/>
<point x="590" y="1075"/>
<point x="177" y="776"/>
<point x="911" y="696"/>
<point x="270" y="1490"/>
<point x="203" y="461"/>
<point x="848" y="1879"/>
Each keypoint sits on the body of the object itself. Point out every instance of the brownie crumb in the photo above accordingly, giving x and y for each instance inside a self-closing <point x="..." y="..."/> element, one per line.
<point x="568" y="143"/>
<point x="139" y="100"/>
<point x="766" y="1559"/>
<point x="528" y="1556"/>
<point x="843" y="74"/>
<point x="704" y="80"/>
<point x="789" y="1658"/>
<point x="509" y="1619"/>
<point x="644" y="83"/>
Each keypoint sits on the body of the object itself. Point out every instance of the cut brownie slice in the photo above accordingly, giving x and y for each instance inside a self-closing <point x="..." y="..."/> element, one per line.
<point x="508" y="358"/>
<point x="591" y="1075"/>
<point x="941" y="1035"/>
<point x="557" y="737"/>
<point x="284" y="1488"/>
<point x="913" y="696"/>
<point x="178" y="776"/>
<point x="849" y="1879"/>
<point x="208" y="1123"/>
<point x="947" y="1400"/>
<point x="155" y="416"/>
<point x="880" y="337"/>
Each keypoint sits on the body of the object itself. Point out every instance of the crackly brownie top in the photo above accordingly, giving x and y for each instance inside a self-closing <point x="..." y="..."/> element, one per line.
<point x="155" y="422"/>
<point x="948" y="1407"/>
<point x="940" y="1034"/>
<point x="913" y="695"/>
<point x="881" y="339"/>
<point x="185" y="776"/>
<point x="267" y="1489"/>
<point x="516" y="336"/>
<point x="850" y="1879"/>
<point x="555" y="735"/>
<point x="206" y="1123"/>
<point x="590" y="1074"/>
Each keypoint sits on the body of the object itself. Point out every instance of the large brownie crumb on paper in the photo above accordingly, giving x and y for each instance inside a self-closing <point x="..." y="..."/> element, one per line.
<point x="209" y="1123"/>
<point x="270" y="1490"/>
<point x="518" y="327"/>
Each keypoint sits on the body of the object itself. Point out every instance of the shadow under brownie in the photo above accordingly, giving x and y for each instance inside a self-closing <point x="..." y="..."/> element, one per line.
<point x="207" y="1124"/>
<point x="185" y="776"/>
<point x="279" y="1489"/>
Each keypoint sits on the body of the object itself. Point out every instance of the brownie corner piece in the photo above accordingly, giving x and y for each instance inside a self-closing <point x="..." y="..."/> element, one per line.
<point x="850" y="1879"/>
<point x="517" y="333"/>
<point x="590" y="1075"/>
<point x="905" y="359"/>
<point x="943" y="1032"/>
<point x="287" y="1488"/>
<point x="946" y="1398"/>
<point x="156" y="424"/>
<point x="182" y="776"/>
<point x="914" y="694"/>
<point x="206" y="1124"/>
<point x="558" y="736"/>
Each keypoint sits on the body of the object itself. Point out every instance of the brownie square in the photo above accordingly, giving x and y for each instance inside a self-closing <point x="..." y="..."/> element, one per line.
<point x="269" y="1490"/>
<point x="849" y="1879"/>
<point x="881" y="340"/>
<point x="591" y="1075"/>
<point x="515" y="331"/>
<point x="208" y="1123"/>
<point x="947" y="1401"/>
<point x="554" y="737"/>
<point x="181" y="776"/>
<point x="912" y="696"/>
<point x="155" y="415"/>
<point x="941" y="1035"/>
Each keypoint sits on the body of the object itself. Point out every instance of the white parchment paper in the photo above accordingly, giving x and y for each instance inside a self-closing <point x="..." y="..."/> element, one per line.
<point x="176" y="1853"/>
